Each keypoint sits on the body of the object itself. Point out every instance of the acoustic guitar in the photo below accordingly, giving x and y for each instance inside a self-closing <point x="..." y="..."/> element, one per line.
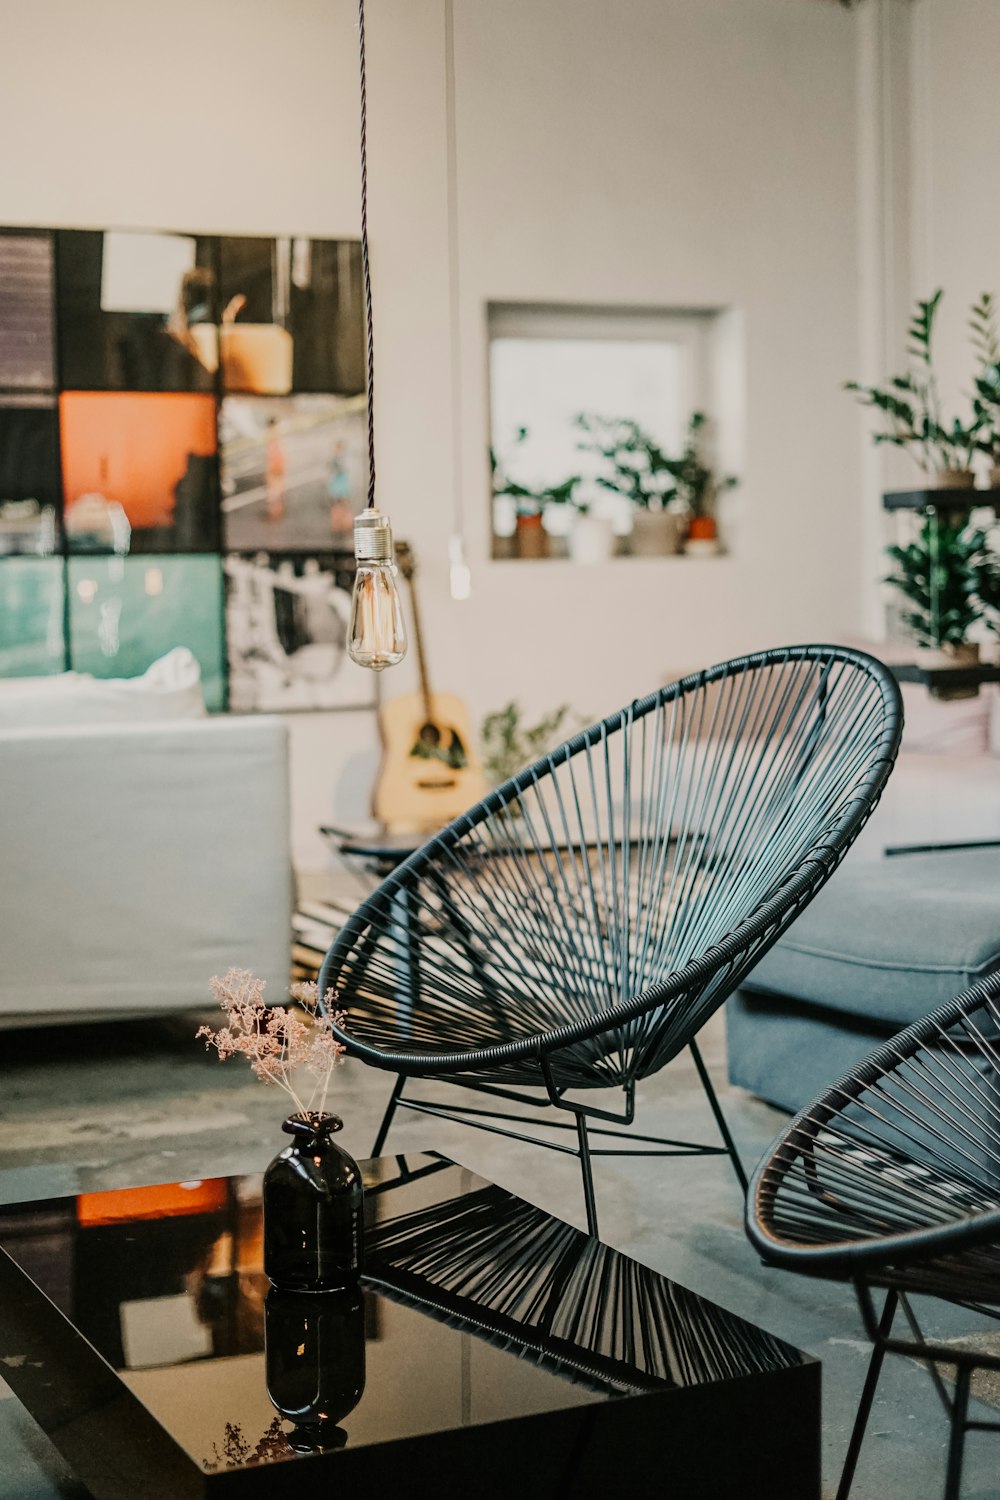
<point x="428" y="773"/>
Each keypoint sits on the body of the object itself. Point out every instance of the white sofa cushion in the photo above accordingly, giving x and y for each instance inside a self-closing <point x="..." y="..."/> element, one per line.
<point x="169" y="689"/>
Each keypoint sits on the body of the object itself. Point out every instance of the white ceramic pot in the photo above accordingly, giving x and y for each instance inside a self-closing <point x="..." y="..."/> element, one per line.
<point x="655" y="533"/>
<point x="592" y="540"/>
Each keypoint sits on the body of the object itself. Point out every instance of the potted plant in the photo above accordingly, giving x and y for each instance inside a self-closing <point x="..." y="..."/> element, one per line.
<point x="531" y="539"/>
<point x="939" y="577"/>
<point x="911" y="405"/>
<point x="638" y="471"/>
<point x="592" y="537"/>
<point x="986" y="400"/>
<point x="697" y="488"/>
<point x="987" y="568"/>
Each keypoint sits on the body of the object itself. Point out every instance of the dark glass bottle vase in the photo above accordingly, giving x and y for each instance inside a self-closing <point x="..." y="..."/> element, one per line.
<point x="313" y="1210"/>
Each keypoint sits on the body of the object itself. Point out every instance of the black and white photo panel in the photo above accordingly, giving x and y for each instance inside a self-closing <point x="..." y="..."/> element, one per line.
<point x="287" y="622"/>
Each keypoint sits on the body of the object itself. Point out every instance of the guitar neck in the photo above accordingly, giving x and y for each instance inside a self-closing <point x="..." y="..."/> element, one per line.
<point x="425" y="683"/>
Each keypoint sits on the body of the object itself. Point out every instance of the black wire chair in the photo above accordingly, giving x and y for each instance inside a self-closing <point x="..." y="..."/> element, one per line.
<point x="576" y="928"/>
<point x="892" y="1179"/>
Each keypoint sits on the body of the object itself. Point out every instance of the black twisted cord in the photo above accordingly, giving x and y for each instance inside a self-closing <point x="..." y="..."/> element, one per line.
<point x="365" y="270"/>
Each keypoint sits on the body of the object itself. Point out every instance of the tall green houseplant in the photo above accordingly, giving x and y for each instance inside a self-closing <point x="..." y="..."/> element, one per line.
<point x="938" y="576"/>
<point x="912" y="408"/>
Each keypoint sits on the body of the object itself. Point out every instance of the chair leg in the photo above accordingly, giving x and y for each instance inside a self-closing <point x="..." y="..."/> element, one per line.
<point x="720" y="1118"/>
<point x="390" y="1110"/>
<point x="956" y="1447"/>
<point x="588" y="1176"/>
<point x="867" y="1396"/>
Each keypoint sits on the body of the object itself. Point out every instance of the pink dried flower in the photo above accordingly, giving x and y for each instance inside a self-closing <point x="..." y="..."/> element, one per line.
<point x="276" y="1041"/>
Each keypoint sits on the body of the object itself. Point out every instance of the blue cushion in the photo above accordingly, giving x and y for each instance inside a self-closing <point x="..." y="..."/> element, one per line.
<point x="893" y="939"/>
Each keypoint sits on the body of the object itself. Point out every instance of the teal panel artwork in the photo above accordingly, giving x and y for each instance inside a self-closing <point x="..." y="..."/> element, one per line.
<point x="31" y="616"/>
<point x="126" y="612"/>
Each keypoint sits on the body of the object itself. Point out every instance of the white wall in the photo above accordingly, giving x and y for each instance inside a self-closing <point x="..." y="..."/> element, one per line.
<point x="956" y="150"/>
<point x="655" y="152"/>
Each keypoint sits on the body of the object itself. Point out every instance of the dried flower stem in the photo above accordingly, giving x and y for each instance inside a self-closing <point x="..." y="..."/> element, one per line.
<point x="277" y="1042"/>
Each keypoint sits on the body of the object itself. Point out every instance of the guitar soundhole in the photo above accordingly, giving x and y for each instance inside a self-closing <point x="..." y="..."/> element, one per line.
<point x="430" y="744"/>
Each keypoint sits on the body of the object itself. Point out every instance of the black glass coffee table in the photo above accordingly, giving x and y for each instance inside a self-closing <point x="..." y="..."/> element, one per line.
<point x="490" y="1351"/>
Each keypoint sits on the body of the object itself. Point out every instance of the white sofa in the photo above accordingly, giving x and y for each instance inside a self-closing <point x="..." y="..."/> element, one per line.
<point x="138" y="859"/>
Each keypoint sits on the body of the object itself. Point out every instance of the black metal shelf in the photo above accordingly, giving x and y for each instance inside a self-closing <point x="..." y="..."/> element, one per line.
<point x="940" y="499"/>
<point x="937" y="678"/>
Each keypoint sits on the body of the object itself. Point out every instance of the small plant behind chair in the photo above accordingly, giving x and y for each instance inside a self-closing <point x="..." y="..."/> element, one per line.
<point x="508" y="744"/>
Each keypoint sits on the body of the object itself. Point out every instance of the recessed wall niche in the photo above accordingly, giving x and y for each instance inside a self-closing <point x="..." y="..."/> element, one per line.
<point x="604" y="438"/>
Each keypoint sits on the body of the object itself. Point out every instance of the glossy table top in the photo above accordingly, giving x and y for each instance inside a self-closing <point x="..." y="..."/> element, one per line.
<point x="476" y="1308"/>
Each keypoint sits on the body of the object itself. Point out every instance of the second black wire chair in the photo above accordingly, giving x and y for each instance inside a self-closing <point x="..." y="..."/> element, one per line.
<point x="892" y="1179"/>
<point x="576" y="928"/>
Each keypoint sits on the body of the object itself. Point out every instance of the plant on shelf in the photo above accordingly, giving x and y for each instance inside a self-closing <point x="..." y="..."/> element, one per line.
<point x="911" y="406"/>
<point x="986" y="381"/>
<point x="987" y="568"/>
<point x="696" y="482"/>
<point x="939" y="576"/>
<point x="654" y="482"/>
<point x="508" y="744"/>
<point x="529" y="502"/>
<point x="638" y="467"/>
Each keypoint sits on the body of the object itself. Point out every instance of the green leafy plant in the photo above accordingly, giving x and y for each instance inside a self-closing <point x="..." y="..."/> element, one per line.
<point x="987" y="568"/>
<point x="911" y="404"/>
<point x="529" y="501"/>
<point x="646" y="475"/>
<point x="508" y="744"/>
<point x="638" y="468"/>
<point x="695" y="479"/>
<point x="986" y="381"/>
<point x="940" y="577"/>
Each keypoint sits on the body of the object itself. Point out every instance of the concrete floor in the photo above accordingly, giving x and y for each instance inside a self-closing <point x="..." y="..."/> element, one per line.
<point x="111" y="1106"/>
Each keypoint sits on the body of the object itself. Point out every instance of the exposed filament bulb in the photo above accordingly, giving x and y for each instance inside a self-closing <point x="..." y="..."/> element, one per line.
<point x="377" y="633"/>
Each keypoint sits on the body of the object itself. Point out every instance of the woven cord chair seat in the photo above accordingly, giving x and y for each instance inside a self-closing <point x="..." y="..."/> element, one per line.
<point x="575" y="929"/>
<point x="892" y="1178"/>
<point x="894" y="1173"/>
<point x="598" y="907"/>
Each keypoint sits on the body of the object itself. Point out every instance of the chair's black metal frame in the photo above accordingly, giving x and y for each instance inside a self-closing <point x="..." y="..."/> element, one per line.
<point x="577" y="927"/>
<point x="891" y="1179"/>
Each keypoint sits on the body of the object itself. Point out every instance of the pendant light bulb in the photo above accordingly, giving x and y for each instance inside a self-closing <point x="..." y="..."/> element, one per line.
<point x="460" y="577"/>
<point x="377" y="637"/>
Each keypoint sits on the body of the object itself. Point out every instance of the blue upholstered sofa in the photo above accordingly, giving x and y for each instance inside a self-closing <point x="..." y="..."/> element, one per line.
<point x="884" y="943"/>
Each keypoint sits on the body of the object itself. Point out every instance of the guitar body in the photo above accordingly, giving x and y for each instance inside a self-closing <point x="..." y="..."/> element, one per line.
<point x="428" y="774"/>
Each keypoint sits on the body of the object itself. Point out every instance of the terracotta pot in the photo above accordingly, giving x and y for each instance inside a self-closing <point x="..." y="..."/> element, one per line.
<point x="591" y="540"/>
<point x="952" y="479"/>
<point x="655" y="533"/>
<point x="531" y="537"/>
<point x="964" y="654"/>
<point x="703" y="537"/>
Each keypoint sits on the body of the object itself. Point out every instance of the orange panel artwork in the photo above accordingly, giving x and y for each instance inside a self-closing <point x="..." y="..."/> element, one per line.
<point x="139" y="471"/>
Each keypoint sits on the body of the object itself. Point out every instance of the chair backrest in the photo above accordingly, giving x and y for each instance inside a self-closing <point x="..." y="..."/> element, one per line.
<point x="898" y="1162"/>
<point x="632" y="876"/>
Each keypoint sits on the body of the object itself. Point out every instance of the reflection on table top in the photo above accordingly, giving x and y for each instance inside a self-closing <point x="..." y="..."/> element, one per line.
<point x="475" y="1307"/>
